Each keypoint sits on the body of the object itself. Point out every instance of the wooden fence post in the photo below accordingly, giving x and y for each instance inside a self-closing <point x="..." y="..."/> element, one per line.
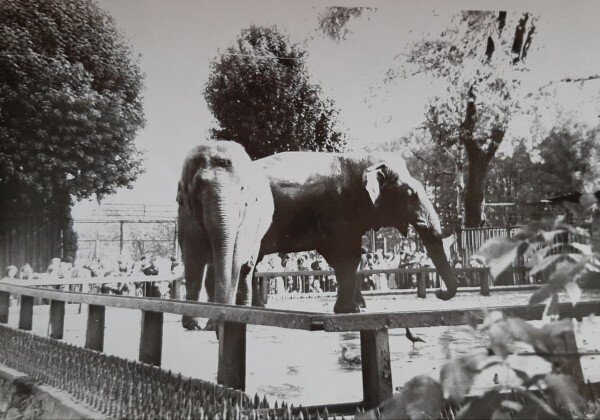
<point x="4" y="306"/>
<point x="571" y="365"/>
<point x="421" y="285"/>
<point x="376" y="367"/>
<point x="232" y="355"/>
<point x="177" y="289"/>
<point x="26" y="313"/>
<point x="57" y="319"/>
<point x="151" y="338"/>
<point x="121" y="223"/>
<point x="484" y="281"/>
<point x="94" y="336"/>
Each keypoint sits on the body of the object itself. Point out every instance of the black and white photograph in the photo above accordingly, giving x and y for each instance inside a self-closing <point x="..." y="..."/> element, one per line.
<point x="293" y="210"/>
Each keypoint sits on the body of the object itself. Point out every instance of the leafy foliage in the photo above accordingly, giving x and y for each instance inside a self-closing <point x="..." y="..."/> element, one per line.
<point x="537" y="240"/>
<point x="260" y="94"/>
<point x="480" y="57"/>
<point x="517" y="395"/>
<point x="334" y="21"/>
<point x="70" y="101"/>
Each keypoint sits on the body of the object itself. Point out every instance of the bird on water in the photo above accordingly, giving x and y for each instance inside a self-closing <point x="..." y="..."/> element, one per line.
<point x="412" y="337"/>
<point x="349" y="357"/>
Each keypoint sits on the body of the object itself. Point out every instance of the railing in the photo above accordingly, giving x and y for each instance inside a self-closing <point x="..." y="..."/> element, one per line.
<point x="232" y="321"/>
<point x="470" y="278"/>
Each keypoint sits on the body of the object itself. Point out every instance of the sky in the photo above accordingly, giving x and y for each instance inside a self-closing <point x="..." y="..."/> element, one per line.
<point x="177" y="40"/>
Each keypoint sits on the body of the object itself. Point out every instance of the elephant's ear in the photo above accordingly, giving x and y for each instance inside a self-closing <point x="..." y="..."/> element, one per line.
<point x="372" y="178"/>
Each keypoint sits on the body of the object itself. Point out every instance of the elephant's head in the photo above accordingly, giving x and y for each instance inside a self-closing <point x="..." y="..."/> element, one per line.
<point x="400" y="200"/>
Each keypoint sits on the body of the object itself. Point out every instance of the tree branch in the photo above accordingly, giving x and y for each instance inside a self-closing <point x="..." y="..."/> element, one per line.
<point x="572" y="80"/>
<point x="423" y="159"/>
<point x="517" y="46"/>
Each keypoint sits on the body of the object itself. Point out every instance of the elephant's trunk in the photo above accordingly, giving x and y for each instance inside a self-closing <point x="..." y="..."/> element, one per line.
<point x="435" y="249"/>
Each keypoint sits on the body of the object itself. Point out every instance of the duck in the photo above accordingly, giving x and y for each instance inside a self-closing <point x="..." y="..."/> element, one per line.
<point x="350" y="358"/>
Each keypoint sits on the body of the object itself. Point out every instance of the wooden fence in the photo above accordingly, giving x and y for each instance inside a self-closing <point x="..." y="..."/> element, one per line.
<point x="398" y="280"/>
<point x="232" y="321"/>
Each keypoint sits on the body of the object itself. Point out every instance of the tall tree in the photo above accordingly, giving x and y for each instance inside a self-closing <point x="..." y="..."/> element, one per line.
<point x="480" y="56"/>
<point x="70" y="106"/>
<point x="260" y="94"/>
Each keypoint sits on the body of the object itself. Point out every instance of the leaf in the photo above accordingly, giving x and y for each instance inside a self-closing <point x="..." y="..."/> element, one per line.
<point x="522" y="375"/>
<point x="564" y="389"/>
<point x="574" y="292"/>
<point x="535" y="411"/>
<point x="501" y="415"/>
<point x="457" y="376"/>
<point x="546" y="262"/>
<point x="552" y="308"/>
<point x="482" y="407"/>
<point x="420" y="398"/>
<point x="424" y="398"/>
<point x="565" y="273"/>
<point x="529" y="368"/>
<point x="543" y="293"/>
<point x="584" y="249"/>
<point x="499" y="253"/>
<point x="572" y="229"/>
<point x="512" y="405"/>
<point x="549" y="235"/>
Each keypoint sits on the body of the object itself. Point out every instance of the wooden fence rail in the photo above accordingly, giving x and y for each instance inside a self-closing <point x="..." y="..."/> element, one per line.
<point x="426" y="278"/>
<point x="232" y="321"/>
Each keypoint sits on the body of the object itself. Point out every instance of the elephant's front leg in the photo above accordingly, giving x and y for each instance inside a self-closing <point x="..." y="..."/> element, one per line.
<point x="197" y="271"/>
<point x="346" y="275"/>
<point x="345" y="263"/>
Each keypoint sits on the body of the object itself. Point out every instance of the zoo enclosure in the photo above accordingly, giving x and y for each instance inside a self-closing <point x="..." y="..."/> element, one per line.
<point x="373" y="328"/>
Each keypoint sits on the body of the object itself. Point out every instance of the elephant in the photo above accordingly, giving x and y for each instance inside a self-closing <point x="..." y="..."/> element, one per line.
<point x="328" y="201"/>
<point x="225" y="208"/>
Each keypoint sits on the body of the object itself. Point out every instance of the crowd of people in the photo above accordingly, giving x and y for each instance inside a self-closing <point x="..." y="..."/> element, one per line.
<point x="308" y="262"/>
<point x="311" y="273"/>
<point x="122" y="266"/>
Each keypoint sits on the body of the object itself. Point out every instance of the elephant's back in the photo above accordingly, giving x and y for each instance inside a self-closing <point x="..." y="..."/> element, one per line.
<point x="298" y="168"/>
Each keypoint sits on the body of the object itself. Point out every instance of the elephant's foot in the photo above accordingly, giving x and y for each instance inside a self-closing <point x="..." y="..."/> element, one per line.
<point x="341" y="307"/>
<point x="445" y="294"/>
<point x="191" y="323"/>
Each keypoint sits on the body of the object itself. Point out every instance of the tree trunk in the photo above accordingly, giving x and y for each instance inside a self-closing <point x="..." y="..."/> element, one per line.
<point x="475" y="191"/>
<point x="69" y="236"/>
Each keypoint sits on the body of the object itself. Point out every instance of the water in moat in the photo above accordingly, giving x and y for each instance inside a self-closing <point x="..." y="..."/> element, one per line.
<point x="306" y="367"/>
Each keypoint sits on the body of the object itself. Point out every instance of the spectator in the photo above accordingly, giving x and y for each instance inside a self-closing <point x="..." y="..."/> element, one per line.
<point x="54" y="268"/>
<point x="79" y="270"/>
<point x="96" y="268"/>
<point x="316" y="287"/>
<point x="317" y="265"/>
<point x="290" y="286"/>
<point x="26" y="272"/>
<point x="124" y="267"/>
<point x="286" y="265"/>
<point x="11" y="271"/>
<point x="303" y="280"/>
<point x="151" y="269"/>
